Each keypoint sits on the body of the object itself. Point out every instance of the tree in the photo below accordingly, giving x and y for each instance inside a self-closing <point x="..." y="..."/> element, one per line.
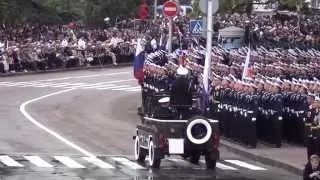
<point x="90" y="12"/>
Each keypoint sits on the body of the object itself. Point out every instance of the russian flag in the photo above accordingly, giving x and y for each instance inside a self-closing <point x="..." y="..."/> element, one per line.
<point x="248" y="67"/>
<point x="139" y="62"/>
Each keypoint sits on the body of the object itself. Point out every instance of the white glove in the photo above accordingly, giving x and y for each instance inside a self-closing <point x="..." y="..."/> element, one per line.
<point x="314" y="174"/>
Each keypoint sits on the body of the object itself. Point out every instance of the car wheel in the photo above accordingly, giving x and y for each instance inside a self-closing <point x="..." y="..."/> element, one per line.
<point x="154" y="160"/>
<point x="194" y="158"/>
<point x="210" y="162"/>
<point x="139" y="153"/>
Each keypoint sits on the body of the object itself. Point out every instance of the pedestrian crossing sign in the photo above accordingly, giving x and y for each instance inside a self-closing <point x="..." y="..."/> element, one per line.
<point x="196" y="27"/>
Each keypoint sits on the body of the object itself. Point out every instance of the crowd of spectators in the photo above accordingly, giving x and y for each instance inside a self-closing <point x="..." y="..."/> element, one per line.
<point x="25" y="48"/>
<point x="275" y="31"/>
<point x="42" y="47"/>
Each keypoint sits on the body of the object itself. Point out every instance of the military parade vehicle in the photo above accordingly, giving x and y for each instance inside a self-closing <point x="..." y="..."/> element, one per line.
<point x="172" y="123"/>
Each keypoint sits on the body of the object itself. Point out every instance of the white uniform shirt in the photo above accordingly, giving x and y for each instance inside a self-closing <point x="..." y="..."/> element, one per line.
<point x="154" y="44"/>
<point x="82" y="44"/>
<point x="64" y="43"/>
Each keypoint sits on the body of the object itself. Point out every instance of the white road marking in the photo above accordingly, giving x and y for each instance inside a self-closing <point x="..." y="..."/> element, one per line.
<point x="59" y="85"/>
<point x="76" y="85"/>
<point x="53" y="133"/>
<point x="26" y="84"/>
<point x="22" y="109"/>
<point x="108" y="87"/>
<point x="117" y="87"/>
<point x="36" y="160"/>
<point x="37" y="84"/>
<point x="97" y="86"/>
<point x="88" y="76"/>
<point x="88" y="85"/>
<point x="128" y="163"/>
<point x="127" y="88"/>
<point x="8" y="161"/>
<point x="134" y="90"/>
<point x="225" y="167"/>
<point x="8" y="85"/>
<point x="245" y="165"/>
<point x="98" y="163"/>
<point x="221" y="166"/>
<point x="179" y="161"/>
<point x="68" y="162"/>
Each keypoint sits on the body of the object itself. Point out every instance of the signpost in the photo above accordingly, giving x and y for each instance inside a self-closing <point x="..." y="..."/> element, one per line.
<point x="170" y="10"/>
<point x="196" y="28"/>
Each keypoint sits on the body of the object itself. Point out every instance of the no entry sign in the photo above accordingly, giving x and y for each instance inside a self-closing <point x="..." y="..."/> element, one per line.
<point x="170" y="9"/>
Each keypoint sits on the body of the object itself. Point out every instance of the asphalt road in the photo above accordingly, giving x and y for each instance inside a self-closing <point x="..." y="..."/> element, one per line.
<point x="51" y="124"/>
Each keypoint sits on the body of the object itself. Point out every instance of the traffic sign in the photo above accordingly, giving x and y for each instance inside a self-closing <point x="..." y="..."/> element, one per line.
<point x="203" y="5"/>
<point x="170" y="9"/>
<point x="196" y="27"/>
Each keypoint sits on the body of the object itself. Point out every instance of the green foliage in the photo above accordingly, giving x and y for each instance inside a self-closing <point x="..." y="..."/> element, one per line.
<point x="290" y="4"/>
<point x="90" y="12"/>
<point x="196" y="10"/>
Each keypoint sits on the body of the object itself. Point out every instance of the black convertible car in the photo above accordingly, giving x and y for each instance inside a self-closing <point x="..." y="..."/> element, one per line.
<point x="175" y="125"/>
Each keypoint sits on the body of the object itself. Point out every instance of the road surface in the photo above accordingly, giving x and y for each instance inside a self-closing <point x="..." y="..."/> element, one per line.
<point x="51" y="125"/>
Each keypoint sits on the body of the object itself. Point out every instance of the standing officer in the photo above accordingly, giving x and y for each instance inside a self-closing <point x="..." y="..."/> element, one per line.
<point x="276" y="115"/>
<point x="253" y="107"/>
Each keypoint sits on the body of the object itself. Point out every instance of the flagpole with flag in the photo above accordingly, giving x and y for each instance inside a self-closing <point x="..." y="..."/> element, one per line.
<point x="246" y="65"/>
<point x="207" y="65"/>
<point x="138" y="62"/>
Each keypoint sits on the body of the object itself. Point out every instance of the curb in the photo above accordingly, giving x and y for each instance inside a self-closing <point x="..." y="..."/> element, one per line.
<point x="243" y="151"/>
<point x="120" y="65"/>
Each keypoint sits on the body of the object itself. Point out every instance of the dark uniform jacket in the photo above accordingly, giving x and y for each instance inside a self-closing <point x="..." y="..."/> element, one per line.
<point x="308" y="170"/>
<point x="181" y="93"/>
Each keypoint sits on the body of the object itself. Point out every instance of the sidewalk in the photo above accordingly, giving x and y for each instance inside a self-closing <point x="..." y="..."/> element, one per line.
<point x="66" y="69"/>
<point x="290" y="157"/>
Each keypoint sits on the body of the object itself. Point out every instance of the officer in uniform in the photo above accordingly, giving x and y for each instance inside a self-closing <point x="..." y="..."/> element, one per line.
<point x="225" y="102"/>
<point x="310" y="125"/>
<point x="181" y="92"/>
<point x="276" y="116"/>
<point x="252" y="113"/>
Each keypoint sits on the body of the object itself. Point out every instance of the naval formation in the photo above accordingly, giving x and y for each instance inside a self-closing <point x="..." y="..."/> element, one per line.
<point x="275" y="98"/>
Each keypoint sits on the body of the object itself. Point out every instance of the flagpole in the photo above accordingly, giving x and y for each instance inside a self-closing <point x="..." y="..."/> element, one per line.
<point x="207" y="65"/>
<point x="155" y="10"/>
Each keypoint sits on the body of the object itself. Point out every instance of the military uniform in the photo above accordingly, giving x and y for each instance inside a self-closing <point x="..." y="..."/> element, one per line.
<point x="252" y="114"/>
<point x="275" y="136"/>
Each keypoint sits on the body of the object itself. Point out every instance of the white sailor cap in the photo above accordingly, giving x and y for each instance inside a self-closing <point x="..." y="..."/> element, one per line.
<point x="182" y="70"/>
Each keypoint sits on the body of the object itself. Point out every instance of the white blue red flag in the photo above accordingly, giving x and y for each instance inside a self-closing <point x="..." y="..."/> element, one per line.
<point x="139" y="61"/>
<point x="248" y="66"/>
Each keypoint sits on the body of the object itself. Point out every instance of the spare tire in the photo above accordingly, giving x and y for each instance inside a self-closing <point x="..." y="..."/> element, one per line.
<point x="199" y="130"/>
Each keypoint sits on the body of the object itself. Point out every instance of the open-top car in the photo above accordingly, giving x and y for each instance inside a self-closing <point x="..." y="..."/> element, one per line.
<point x="172" y="124"/>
